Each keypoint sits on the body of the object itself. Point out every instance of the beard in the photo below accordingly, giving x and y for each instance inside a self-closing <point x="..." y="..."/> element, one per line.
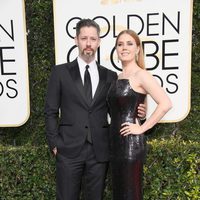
<point x="88" y="52"/>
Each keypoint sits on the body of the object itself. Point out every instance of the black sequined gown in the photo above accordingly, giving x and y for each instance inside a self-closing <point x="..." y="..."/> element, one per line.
<point x="127" y="152"/>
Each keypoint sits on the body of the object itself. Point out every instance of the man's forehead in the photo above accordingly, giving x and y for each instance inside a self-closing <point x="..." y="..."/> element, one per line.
<point x="88" y="31"/>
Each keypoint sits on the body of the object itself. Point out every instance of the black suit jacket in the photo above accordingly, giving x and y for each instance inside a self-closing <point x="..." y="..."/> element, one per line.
<point x="68" y="116"/>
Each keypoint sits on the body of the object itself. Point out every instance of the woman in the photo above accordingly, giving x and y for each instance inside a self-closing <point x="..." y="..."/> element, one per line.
<point x="128" y="147"/>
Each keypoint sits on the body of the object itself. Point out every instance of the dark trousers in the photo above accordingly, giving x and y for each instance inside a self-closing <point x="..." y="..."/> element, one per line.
<point x="71" y="173"/>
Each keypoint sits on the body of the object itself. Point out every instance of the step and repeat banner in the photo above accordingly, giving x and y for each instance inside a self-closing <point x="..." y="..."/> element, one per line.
<point x="14" y="84"/>
<point x="164" y="27"/>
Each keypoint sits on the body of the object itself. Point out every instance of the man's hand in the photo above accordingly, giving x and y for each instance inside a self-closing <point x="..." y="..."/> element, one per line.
<point x="142" y="111"/>
<point x="55" y="151"/>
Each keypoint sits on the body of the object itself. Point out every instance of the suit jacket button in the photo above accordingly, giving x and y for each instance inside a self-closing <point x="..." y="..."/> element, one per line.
<point x="86" y="126"/>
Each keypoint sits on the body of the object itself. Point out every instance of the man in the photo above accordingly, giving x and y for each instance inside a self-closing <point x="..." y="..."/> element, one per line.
<point x="78" y="134"/>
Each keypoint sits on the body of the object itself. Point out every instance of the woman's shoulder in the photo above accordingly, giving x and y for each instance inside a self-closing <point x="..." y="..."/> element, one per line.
<point x="141" y="76"/>
<point x="143" y="73"/>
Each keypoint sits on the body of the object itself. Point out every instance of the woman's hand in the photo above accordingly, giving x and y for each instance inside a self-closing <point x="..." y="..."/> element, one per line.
<point x="130" y="128"/>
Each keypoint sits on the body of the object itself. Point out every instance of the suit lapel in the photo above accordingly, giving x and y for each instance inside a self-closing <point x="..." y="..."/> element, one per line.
<point x="76" y="77"/>
<point x="102" y="81"/>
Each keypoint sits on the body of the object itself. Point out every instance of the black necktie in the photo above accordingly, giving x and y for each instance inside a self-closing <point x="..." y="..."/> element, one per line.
<point x="88" y="85"/>
<point x="88" y="93"/>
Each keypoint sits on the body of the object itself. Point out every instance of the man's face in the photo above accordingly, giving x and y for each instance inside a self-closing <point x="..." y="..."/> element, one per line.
<point x="88" y="42"/>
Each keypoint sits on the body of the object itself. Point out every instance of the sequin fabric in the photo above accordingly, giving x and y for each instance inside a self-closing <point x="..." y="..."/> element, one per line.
<point x="127" y="152"/>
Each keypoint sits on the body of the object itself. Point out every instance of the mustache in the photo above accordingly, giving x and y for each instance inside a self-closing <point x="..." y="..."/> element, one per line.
<point x="88" y="49"/>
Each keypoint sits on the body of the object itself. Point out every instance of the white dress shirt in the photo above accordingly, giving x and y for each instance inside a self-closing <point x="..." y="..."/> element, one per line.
<point x="93" y="70"/>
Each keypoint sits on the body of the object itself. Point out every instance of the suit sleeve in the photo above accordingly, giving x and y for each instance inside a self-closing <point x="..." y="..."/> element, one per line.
<point x="52" y="105"/>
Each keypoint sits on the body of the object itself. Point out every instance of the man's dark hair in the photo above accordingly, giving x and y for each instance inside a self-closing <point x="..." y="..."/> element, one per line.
<point x="87" y="22"/>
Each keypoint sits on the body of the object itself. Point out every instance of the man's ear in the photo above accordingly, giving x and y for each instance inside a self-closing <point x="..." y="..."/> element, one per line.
<point x="76" y="41"/>
<point x="99" y="42"/>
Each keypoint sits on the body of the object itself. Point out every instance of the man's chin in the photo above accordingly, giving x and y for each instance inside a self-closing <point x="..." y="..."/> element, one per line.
<point x="88" y="54"/>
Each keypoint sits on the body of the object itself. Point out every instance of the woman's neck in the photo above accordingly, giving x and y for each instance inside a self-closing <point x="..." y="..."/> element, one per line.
<point x="129" y="69"/>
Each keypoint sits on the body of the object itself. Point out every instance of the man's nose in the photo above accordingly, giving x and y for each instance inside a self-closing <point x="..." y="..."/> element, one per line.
<point x="88" y="42"/>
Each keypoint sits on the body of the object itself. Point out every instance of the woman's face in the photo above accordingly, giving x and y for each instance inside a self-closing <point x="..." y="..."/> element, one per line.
<point x="126" y="48"/>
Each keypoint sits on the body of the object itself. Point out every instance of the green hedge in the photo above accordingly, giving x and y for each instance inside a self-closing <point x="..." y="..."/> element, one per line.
<point x="27" y="169"/>
<point x="171" y="172"/>
<point x="26" y="173"/>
